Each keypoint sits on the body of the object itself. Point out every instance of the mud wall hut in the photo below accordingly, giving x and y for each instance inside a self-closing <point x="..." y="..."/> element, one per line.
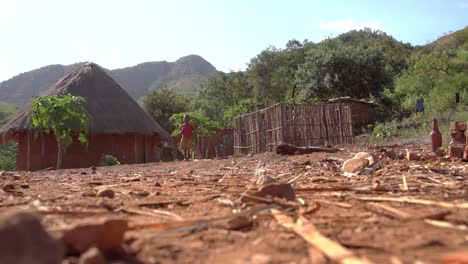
<point x="362" y="112"/>
<point x="119" y="126"/>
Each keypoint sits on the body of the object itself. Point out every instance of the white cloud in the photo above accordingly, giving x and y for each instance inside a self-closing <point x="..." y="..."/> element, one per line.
<point x="462" y="4"/>
<point x="349" y="24"/>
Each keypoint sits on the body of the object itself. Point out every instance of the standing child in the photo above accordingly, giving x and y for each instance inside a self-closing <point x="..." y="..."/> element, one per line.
<point x="186" y="129"/>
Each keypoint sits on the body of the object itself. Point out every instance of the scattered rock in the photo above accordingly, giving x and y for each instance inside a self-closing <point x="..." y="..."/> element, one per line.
<point x="105" y="234"/>
<point x="364" y="155"/>
<point x="108" y="193"/>
<point x="89" y="193"/>
<point x="457" y="151"/>
<point x="83" y="173"/>
<point x="413" y="155"/>
<point x="24" y="240"/>
<point x="139" y="193"/>
<point x="391" y="154"/>
<point x="92" y="256"/>
<point x="401" y="155"/>
<point x="7" y="186"/>
<point x="265" y="180"/>
<point x="354" y="165"/>
<point x="279" y="190"/>
<point x="237" y="223"/>
<point x="259" y="259"/>
<point x="24" y="186"/>
<point x="157" y="184"/>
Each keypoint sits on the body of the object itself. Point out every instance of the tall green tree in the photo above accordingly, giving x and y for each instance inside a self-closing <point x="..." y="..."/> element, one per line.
<point x="162" y="104"/>
<point x="65" y="116"/>
<point x="333" y="69"/>
<point x="221" y="92"/>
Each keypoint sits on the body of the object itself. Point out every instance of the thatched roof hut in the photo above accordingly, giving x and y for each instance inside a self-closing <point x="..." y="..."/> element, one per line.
<point x="116" y="118"/>
<point x="112" y="109"/>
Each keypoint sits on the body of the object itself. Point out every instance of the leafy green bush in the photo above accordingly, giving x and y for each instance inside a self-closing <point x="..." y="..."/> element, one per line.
<point x="108" y="160"/>
<point x="8" y="156"/>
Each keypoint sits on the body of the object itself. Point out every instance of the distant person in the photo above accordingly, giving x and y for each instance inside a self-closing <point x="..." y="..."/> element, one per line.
<point x="420" y="105"/>
<point x="186" y="130"/>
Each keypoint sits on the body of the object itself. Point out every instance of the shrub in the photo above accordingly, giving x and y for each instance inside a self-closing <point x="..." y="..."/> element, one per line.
<point x="8" y="156"/>
<point x="108" y="160"/>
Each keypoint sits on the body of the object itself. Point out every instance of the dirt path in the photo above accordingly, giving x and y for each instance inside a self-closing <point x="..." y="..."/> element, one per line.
<point x="193" y="194"/>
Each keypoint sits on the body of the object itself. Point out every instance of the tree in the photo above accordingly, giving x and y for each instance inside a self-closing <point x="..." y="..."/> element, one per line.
<point x="333" y="69"/>
<point x="6" y="110"/>
<point x="220" y="92"/>
<point x="162" y="104"/>
<point x="65" y="116"/>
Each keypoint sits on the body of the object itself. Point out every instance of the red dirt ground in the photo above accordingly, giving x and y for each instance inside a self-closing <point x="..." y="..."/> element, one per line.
<point x="209" y="189"/>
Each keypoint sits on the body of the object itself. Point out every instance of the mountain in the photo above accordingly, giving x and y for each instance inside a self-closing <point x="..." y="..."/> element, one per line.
<point x="184" y="76"/>
<point x="453" y="39"/>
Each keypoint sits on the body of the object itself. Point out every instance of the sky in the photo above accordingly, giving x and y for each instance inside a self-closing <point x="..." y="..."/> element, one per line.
<point x="227" y="33"/>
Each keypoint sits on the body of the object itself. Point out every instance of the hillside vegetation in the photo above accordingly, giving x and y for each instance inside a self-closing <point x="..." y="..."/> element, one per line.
<point x="360" y="63"/>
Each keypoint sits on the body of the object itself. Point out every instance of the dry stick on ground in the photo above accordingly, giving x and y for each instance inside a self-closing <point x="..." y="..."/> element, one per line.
<point x="404" y="186"/>
<point x="198" y="223"/>
<point x="388" y="211"/>
<point x="308" y="232"/>
<point x="414" y="201"/>
<point x="297" y="177"/>
<point x="445" y="224"/>
<point x="154" y="213"/>
<point x="73" y="212"/>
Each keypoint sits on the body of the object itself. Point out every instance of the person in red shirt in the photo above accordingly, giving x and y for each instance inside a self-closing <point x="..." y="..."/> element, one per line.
<point x="186" y="130"/>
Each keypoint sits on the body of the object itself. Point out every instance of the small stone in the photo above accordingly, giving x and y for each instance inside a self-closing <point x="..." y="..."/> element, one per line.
<point x="237" y="223"/>
<point x="89" y="193"/>
<point x="412" y="155"/>
<point x="364" y="155"/>
<point x="108" y="193"/>
<point x="92" y="256"/>
<point x="83" y="173"/>
<point x="260" y="259"/>
<point x="24" y="186"/>
<point x="278" y="190"/>
<point x="157" y="184"/>
<point x="391" y="154"/>
<point x="139" y="193"/>
<point x="24" y="240"/>
<point x="105" y="234"/>
<point x="354" y="165"/>
<point x="265" y="180"/>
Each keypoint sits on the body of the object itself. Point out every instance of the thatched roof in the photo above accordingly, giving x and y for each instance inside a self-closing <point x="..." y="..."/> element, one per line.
<point x="113" y="111"/>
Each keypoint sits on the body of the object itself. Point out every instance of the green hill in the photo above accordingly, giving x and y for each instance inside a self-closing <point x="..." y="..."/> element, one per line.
<point x="183" y="75"/>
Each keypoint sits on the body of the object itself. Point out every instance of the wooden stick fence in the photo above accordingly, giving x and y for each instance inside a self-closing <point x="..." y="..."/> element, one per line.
<point x="301" y="125"/>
